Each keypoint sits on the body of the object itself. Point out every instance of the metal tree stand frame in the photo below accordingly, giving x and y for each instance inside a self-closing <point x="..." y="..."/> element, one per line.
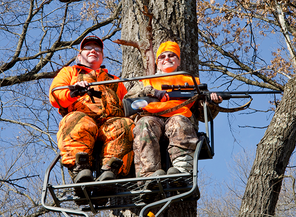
<point x="62" y="197"/>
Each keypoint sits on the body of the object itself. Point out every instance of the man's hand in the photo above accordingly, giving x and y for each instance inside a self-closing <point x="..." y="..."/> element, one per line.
<point x="78" y="89"/>
<point x="215" y="98"/>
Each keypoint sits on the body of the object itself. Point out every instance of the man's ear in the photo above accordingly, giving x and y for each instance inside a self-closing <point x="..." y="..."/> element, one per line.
<point x="79" y="57"/>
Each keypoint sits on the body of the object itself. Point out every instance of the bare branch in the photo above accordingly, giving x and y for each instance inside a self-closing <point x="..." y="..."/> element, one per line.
<point x="240" y="64"/>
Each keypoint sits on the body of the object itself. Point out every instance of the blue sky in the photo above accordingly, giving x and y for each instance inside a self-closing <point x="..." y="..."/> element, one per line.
<point x="233" y="138"/>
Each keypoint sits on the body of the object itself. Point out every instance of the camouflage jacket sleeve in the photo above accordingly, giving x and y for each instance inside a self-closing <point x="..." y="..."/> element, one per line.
<point x="140" y="91"/>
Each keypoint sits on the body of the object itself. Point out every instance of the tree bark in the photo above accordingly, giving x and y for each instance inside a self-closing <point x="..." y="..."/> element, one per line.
<point x="175" y="20"/>
<point x="272" y="157"/>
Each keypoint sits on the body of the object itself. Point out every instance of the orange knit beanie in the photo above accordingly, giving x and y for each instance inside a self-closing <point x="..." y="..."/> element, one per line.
<point x="168" y="46"/>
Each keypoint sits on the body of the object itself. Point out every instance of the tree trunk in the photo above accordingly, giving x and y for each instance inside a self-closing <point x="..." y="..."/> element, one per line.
<point x="272" y="156"/>
<point x="174" y="20"/>
<point x="171" y="20"/>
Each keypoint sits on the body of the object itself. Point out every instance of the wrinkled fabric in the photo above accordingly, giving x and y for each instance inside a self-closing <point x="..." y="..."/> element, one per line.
<point x="86" y="122"/>
<point x="128" y="160"/>
<point x="117" y="138"/>
<point x="182" y="142"/>
<point x="79" y="133"/>
<point x="147" y="133"/>
<point x="112" y="94"/>
<point x="154" y="107"/>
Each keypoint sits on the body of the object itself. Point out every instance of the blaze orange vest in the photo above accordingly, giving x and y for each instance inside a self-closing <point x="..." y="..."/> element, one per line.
<point x="112" y="94"/>
<point x="156" y="83"/>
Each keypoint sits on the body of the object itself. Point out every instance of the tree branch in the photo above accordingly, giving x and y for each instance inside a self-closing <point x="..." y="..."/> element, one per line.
<point x="239" y="63"/>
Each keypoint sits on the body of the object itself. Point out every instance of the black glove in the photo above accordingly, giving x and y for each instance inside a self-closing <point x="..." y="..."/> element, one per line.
<point x="76" y="90"/>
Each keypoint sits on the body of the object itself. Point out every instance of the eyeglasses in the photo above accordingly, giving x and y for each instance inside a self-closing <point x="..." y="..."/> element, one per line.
<point x="163" y="56"/>
<point x="88" y="47"/>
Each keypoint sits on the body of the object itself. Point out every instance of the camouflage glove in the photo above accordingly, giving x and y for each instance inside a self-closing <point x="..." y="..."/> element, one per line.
<point x="161" y="95"/>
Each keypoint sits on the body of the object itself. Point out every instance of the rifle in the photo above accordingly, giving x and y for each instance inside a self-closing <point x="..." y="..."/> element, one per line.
<point x="191" y="94"/>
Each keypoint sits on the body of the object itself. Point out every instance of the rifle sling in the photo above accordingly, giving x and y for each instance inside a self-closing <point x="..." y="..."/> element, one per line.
<point x="193" y="99"/>
<point x="230" y="110"/>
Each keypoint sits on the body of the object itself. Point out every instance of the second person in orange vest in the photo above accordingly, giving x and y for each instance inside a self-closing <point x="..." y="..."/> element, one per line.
<point x="176" y="125"/>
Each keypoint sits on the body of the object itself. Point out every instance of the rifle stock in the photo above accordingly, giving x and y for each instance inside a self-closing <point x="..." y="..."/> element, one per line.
<point x="134" y="105"/>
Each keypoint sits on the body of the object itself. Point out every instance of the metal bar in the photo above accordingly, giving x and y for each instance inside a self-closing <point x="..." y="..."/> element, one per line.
<point x="160" y="187"/>
<point x="115" y="207"/>
<point x="87" y="184"/>
<point x="209" y="135"/>
<point x="163" y="208"/>
<point x="206" y="119"/>
<point x="46" y="179"/>
<point x="88" y="199"/>
<point x="65" y="214"/>
<point x="56" y="200"/>
<point x="136" y="79"/>
<point x="44" y="193"/>
<point x="212" y="137"/>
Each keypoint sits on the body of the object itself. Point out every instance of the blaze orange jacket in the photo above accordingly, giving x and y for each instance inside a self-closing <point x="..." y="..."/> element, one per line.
<point x="156" y="83"/>
<point x="112" y="94"/>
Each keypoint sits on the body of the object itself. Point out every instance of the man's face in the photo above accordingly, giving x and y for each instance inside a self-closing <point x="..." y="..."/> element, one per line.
<point x="168" y="62"/>
<point x="91" y="55"/>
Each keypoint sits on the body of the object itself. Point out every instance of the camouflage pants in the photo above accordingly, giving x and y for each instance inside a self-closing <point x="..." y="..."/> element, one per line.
<point x="148" y="131"/>
<point x="79" y="132"/>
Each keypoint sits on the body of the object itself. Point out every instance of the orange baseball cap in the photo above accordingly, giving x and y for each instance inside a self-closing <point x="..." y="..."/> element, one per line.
<point x="168" y="46"/>
<point x="92" y="38"/>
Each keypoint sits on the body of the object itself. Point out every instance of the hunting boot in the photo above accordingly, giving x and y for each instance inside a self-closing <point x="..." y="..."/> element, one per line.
<point x="182" y="161"/>
<point x="81" y="173"/>
<point x="177" y="182"/>
<point x="109" y="172"/>
<point x="152" y="185"/>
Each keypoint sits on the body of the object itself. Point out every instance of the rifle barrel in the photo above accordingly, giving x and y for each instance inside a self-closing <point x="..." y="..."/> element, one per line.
<point x="241" y="94"/>
<point x="249" y="92"/>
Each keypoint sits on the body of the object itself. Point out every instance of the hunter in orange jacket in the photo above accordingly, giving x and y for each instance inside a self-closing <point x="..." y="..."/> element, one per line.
<point x="87" y="126"/>
<point x="176" y="125"/>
